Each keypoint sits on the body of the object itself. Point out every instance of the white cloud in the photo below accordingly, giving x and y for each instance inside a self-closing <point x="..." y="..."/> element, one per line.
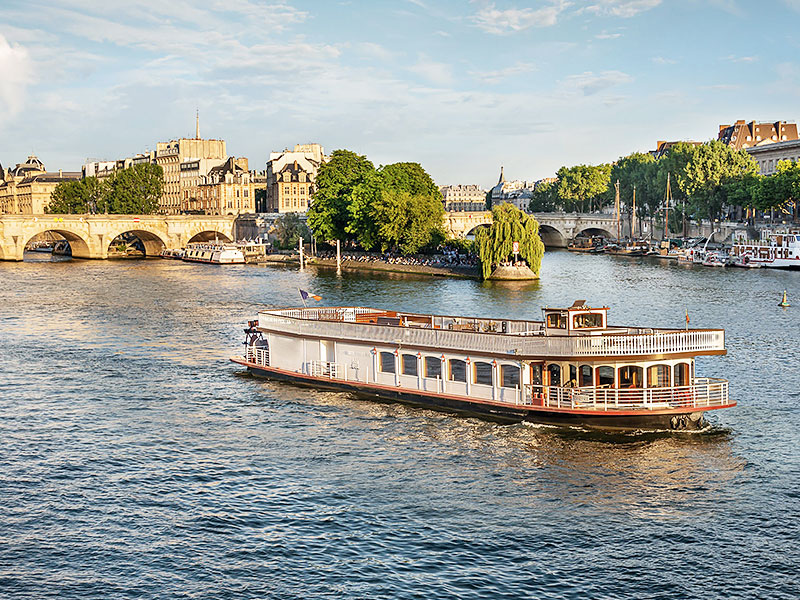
<point x="622" y="8"/>
<point x="492" y="77"/>
<point x="660" y="60"/>
<point x="741" y="59"/>
<point x="589" y="83"/>
<point x="608" y="36"/>
<point x="15" y="75"/>
<point x="500" y="22"/>
<point x="435" y="72"/>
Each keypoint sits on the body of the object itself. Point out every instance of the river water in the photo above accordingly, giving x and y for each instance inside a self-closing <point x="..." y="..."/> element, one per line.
<point x="137" y="462"/>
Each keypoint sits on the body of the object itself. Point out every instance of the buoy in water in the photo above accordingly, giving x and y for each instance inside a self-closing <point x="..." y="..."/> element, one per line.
<point x="784" y="303"/>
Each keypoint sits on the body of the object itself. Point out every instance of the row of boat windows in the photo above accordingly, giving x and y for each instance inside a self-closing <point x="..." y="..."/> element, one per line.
<point x="629" y="376"/>
<point x="482" y="372"/>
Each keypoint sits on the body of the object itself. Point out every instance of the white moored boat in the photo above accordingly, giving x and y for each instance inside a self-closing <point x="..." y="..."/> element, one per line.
<point x="776" y="249"/>
<point x="570" y="368"/>
<point x="214" y="253"/>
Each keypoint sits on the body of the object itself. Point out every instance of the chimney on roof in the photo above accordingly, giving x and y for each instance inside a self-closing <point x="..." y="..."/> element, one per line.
<point x="197" y="124"/>
<point x="60" y="173"/>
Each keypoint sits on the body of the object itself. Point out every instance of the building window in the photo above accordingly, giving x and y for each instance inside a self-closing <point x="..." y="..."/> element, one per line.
<point x="387" y="362"/>
<point x="410" y="364"/>
<point x="483" y="373"/>
<point x="433" y="366"/>
<point x="458" y="370"/>
<point x="509" y="375"/>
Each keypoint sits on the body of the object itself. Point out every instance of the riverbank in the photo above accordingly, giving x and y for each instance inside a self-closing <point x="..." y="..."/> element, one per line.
<point x="457" y="271"/>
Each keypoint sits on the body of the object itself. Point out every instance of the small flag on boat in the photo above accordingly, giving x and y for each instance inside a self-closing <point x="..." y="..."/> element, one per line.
<point x="687" y="318"/>
<point x="305" y="296"/>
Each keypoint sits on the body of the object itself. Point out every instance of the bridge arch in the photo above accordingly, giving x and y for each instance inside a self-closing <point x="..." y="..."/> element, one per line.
<point x="552" y="237"/>
<point x="79" y="243"/>
<point x="152" y="240"/>
<point x="595" y="231"/>
<point x="472" y="232"/>
<point x="209" y="235"/>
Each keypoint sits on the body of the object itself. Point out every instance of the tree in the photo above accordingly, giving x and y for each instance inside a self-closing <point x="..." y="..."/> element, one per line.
<point x="545" y="197"/>
<point x="329" y="214"/>
<point x="509" y="225"/>
<point x="581" y="184"/>
<point x="69" y="198"/>
<point x="136" y="190"/>
<point x="397" y="207"/>
<point x="638" y="171"/>
<point x="708" y="168"/>
<point x="288" y="231"/>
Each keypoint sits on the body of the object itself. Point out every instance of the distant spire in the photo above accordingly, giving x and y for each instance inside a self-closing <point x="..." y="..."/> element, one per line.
<point x="197" y="125"/>
<point x="502" y="177"/>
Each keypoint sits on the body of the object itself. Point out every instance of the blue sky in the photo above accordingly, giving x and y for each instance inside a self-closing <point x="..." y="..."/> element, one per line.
<point x="461" y="87"/>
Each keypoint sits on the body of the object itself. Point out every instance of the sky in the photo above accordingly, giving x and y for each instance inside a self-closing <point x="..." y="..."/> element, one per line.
<point x="460" y="87"/>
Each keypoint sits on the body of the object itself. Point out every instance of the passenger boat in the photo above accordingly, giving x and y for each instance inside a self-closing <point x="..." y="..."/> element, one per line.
<point x="776" y="250"/>
<point x="214" y="253"/>
<point x="592" y="245"/>
<point x="571" y="368"/>
<point x="630" y="248"/>
<point x="173" y="253"/>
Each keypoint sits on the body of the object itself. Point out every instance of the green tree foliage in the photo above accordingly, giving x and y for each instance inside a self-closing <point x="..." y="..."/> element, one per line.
<point x="288" y="231"/>
<point x="397" y="207"/>
<point x="69" y="198"/>
<point x="639" y="171"/>
<point x="583" y="186"/>
<point x="544" y="198"/>
<point x="136" y="190"/>
<point x="329" y="214"/>
<point x="509" y="225"/>
<point x="704" y="176"/>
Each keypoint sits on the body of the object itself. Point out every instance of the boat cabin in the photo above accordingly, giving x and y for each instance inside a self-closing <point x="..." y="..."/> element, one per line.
<point x="576" y="319"/>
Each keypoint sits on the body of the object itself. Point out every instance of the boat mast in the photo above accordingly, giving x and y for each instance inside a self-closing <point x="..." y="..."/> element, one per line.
<point x="616" y="205"/>
<point x="666" y="212"/>
<point x="633" y="215"/>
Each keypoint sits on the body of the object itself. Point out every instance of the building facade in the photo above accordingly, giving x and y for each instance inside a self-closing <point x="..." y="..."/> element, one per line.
<point x="171" y="155"/>
<point x="27" y="188"/>
<point x="291" y="176"/>
<point x="768" y="156"/>
<point x="517" y="192"/>
<point x="459" y="198"/>
<point x="226" y="189"/>
<point x="743" y="135"/>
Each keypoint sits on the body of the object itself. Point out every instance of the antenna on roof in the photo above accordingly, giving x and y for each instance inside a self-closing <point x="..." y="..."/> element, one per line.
<point x="197" y="124"/>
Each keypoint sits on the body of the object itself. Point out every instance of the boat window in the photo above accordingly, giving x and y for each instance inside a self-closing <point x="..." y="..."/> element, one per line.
<point x="555" y="374"/>
<point x="630" y="377"/>
<point x="573" y="375"/>
<point x="409" y="364"/>
<point x="458" y="370"/>
<point x="681" y="374"/>
<point x="557" y="320"/>
<point x="536" y="374"/>
<point x="483" y="373"/>
<point x="509" y="374"/>
<point x="387" y="362"/>
<point x="658" y="376"/>
<point x="586" y="376"/>
<point x="584" y="321"/>
<point x="433" y="366"/>
<point x="605" y="376"/>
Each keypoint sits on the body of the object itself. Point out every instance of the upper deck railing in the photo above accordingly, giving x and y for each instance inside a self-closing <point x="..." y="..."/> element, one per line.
<point x="522" y="338"/>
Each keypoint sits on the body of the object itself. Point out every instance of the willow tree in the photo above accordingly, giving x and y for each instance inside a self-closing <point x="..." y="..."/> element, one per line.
<point x="496" y="243"/>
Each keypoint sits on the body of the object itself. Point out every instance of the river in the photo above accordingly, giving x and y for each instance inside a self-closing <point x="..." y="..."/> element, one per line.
<point x="138" y="462"/>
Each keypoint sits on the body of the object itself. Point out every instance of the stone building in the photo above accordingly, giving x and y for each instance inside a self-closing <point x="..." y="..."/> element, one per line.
<point x="458" y="198"/>
<point x="171" y="155"/>
<point x="226" y="189"/>
<point x="517" y="192"/>
<point x="291" y="176"/>
<point x="747" y="135"/>
<point x="26" y="189"/>
<point x="768" y="156"/>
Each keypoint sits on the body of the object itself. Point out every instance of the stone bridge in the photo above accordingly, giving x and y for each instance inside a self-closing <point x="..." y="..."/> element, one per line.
<point x="555" y="229"/>
<point x="89" y="236"/>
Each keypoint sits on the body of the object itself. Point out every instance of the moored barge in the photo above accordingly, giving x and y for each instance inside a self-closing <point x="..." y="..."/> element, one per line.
<point x="571" y="368"/>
